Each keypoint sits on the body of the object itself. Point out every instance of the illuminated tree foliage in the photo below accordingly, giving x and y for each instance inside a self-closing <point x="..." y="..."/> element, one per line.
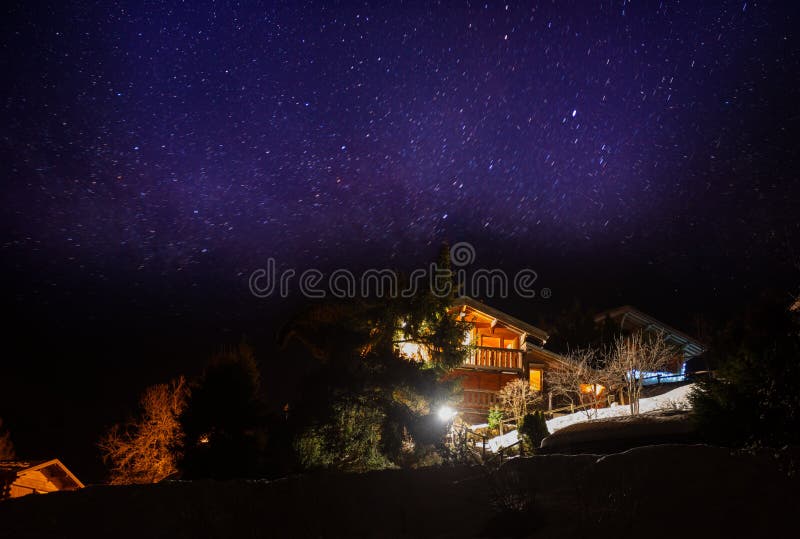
<point x="494" y="418"/>
<point x="147" y="448"/>
<point x="350" y="441"/>
<point x="367" y="400"/>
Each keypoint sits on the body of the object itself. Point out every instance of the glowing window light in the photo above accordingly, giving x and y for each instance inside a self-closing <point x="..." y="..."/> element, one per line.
<point x="535" y="379"/>
<point x="597" y="389"/>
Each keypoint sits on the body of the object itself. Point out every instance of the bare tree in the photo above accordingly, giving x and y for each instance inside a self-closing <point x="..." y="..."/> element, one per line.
<point x="517" y="398"/>
<point x="6" y="447"/>
<point x="579" y="381"/>
<point x="631" y="358"/>
<point x="146" y="449"/>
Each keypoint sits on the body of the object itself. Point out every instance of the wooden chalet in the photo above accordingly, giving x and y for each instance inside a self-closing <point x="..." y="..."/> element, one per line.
<point x="630" y="319"/>
<point x="20" y="478"/>
<point x="504" y="348"/>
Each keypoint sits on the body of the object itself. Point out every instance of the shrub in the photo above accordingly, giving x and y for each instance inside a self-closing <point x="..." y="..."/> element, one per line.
<point x="753" y="400"/>
<point x="532" y="430"/>
<point x="494" y="418"/>
<point x="310" y="449"/>
<point x="350" y="441"/>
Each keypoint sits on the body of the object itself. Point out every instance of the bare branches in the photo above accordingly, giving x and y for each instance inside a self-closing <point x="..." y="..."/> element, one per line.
<point x="147" y="448"/>
<point x="585" y="374"/>
<point x="578" y="380"/>
<point x="517" y="398"/>
<point x="631" y="358"/>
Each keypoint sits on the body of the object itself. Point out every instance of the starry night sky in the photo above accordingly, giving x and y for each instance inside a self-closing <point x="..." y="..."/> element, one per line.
<point x="184" y="143"/>
<point x="155" y="153"/>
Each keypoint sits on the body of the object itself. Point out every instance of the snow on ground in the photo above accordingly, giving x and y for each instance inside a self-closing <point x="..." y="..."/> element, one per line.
<point x="675" y="399"/>
<point x="505" y="440"/>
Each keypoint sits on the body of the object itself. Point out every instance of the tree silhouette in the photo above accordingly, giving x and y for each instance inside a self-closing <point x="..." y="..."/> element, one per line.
<point x="6" y="447"/>
<point x="224" y="420"/>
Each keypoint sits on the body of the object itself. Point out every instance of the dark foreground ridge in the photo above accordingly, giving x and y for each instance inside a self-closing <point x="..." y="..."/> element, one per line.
<point x="655" y="491"/>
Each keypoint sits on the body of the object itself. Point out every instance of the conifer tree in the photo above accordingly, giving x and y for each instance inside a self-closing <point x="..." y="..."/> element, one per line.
<point x="365" y="370"/>
<point x="224" y="420"/>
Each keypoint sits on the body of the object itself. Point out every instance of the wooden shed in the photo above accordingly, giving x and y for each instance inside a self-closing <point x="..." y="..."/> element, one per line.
<point x="18" y="478"/>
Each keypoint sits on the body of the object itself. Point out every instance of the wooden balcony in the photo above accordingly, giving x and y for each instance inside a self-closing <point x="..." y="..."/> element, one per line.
<point x="484" y="357"/>
<point x="479" y="399"/>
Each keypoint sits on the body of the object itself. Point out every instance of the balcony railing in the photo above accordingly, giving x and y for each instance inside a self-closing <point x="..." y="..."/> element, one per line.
<point x="484" y="357"/>
<point x="479" y="399"/>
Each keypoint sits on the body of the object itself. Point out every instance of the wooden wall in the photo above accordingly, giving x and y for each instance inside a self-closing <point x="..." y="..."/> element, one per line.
<point x="30" y="482"/>
<point x="487" y="380"/>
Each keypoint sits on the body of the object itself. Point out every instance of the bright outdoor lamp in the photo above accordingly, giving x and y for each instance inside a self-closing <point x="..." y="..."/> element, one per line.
<point x="446" y="413"/>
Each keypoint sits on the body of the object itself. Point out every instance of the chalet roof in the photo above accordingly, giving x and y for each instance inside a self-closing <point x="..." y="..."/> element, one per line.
<point x="627" y="313"/>
<point x="507" y="319"/>
<point x="540" y="353"/>
<point x="54" y="469"/>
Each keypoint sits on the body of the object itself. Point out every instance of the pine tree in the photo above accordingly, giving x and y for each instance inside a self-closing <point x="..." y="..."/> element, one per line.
<point x="753" y="398"/>
<point x="363" y="367"/>
<point x="224" y="419"/>
<point x="533" y="429"/>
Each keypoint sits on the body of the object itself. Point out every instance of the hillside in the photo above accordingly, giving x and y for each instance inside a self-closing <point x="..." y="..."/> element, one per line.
<point x="619" y="422"/>
<point x="658" y="491"/>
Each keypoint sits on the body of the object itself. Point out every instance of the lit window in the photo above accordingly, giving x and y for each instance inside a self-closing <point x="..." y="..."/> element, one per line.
<point x="535" y="379"/>
<point x="597" y="389"/>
